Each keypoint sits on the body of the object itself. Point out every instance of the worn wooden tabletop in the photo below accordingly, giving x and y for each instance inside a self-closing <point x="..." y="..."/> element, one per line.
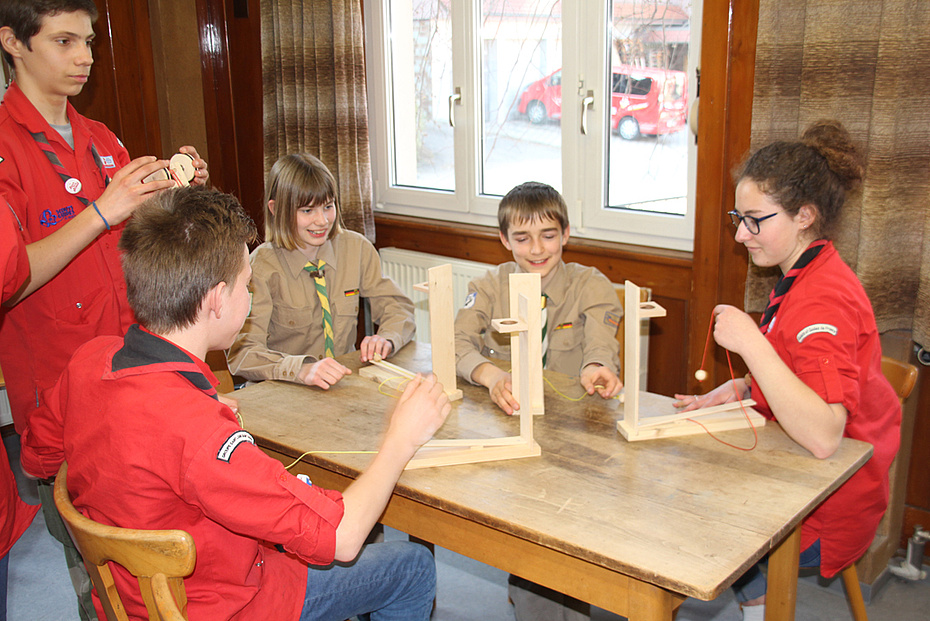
<point x="688" y="514"/>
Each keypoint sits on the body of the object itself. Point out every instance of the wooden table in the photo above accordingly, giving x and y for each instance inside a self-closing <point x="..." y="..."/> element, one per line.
<point x="634" y="528"/>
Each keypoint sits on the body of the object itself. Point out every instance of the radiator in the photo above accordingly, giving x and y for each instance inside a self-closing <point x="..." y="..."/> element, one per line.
<point x="408" y="268"/>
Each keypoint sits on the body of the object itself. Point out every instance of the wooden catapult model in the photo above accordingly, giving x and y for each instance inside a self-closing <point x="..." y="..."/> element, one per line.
<point x="525" y="331"/>
<point x="633" y="426"/>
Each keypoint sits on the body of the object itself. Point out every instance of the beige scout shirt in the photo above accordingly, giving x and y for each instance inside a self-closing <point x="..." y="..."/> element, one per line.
<point x="583" y="314"/>
<point x="285" y="327"/>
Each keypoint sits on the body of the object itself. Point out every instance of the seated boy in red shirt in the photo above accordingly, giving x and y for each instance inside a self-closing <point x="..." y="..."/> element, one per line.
<point x="149" y="446"/>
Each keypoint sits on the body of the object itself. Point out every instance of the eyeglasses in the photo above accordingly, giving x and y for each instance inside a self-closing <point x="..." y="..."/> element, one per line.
<point x="751" y="222"/>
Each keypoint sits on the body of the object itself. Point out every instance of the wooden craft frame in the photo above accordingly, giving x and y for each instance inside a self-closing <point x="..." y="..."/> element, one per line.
<point x="718" y="418"/>
<point x="524" y="327"/>
<point x="441" y="334"/>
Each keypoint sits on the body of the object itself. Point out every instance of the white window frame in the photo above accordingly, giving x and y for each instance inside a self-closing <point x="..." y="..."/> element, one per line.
<point x="584" y="157"/>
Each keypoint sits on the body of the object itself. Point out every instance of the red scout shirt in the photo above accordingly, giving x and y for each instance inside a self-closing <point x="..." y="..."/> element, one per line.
<point x="88" y="297"/>
<point x="825" y="332"/>
<point x="149" y="446"/>
<point x="15" y="515"/>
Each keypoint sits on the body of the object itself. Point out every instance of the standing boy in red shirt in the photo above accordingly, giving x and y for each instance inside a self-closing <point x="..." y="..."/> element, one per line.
<point x="71" y="186"/>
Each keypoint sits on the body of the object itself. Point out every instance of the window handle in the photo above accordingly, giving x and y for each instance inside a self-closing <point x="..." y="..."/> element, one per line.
<point x="586" y="104"/>
<point x="453" y="100"/>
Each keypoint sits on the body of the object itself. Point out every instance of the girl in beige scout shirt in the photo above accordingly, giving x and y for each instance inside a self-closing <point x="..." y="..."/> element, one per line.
<point x="309" y="258"/>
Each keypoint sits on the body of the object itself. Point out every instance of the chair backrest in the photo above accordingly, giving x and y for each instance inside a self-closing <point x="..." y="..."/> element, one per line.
<point x="901" y="375"/>
<point x="142" y="552"/>
<point x="217" y="362"/>
<point x="165" y="606"/>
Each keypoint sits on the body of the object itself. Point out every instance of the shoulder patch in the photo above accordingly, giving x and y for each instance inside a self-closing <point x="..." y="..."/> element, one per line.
<point x="470" y="300"/>
<point x="232" y="442"/>
<point x="814" y="329"/>
<point x="612" y="319"/>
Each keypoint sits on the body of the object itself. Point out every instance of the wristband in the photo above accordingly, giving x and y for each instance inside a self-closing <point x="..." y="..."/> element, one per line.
<point x="97" y="209"/>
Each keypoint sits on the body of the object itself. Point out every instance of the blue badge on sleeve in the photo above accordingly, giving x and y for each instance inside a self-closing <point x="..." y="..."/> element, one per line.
<point x="470" y="300"/>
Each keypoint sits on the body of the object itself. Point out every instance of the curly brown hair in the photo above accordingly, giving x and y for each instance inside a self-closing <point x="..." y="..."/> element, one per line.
<point x="819" y="169"/>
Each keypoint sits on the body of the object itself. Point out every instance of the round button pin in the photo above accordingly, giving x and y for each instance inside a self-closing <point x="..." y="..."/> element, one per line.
<point x="73" y="186"/>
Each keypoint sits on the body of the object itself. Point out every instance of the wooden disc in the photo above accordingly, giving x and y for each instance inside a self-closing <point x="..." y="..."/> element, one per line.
<point x="182" y="165"/>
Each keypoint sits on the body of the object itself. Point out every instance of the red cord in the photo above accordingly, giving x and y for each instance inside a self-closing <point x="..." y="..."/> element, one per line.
<point x="710" y="331"/>
<point x="738" y="399"/>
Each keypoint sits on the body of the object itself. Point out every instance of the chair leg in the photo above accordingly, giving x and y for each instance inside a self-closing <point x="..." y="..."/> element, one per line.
<point x="854" y="593"/>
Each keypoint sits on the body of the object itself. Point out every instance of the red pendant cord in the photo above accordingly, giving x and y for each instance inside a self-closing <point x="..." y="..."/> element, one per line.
<point x="755" y="433"/>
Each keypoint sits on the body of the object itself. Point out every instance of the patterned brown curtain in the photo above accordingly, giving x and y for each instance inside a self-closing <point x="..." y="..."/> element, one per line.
<point x="313" y="65"/>
<point x="866" y="63"/>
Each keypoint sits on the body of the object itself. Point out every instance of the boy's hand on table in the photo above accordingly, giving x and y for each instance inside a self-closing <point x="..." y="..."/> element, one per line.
<point x="375" y="344"/>
<point x="420" y="412"/>
<point x="323" y="373"/>
<point x="600" y="379"/>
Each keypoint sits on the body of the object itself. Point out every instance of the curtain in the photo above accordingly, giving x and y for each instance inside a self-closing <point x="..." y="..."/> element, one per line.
<point x="867" y="64"/>
<point x="313" y="67"/>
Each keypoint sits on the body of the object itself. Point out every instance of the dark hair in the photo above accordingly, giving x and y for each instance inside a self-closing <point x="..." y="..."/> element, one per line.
<point x="529" y="202"/>
<point x="176" y="247"/>
<point x="24" y="17"/>
<point x="297" y="180"/>
<point x="816" y="170"/>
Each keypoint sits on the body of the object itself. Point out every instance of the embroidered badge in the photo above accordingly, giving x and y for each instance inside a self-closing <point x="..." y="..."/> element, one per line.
<point x="351" y="292"/>
<point x="612" y="319"/>
<point x="233" y="441"/>
<point x="73" y="185"/>
<point x="814" y="329"/>
<point x="107" y="161"/>
<point x="470" y="300"/>
<point x="564" y="326"/>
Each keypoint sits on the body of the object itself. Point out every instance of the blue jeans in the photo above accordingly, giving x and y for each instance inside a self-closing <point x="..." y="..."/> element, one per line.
<point x="4" y="577"/>
<point x="393" y="581"/>
<point x="752" y="584"/>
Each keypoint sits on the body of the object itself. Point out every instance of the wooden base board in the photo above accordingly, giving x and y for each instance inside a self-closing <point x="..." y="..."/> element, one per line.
<point x="473" y="452"/>
<point x="720" y="418"/>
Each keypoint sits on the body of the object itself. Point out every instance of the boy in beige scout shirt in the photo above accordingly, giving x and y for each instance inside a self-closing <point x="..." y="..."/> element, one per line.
<point x="582" y="310"/>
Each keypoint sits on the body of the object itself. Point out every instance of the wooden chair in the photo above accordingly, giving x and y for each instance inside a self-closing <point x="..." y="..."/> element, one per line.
<point x="165" y="606"/>
<point x="902" y="377"/>
<point x="220" y="368"/>
<point x="141" y="552"/>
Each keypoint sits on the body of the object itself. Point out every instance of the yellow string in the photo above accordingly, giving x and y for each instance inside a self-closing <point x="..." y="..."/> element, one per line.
<point x="294" y="463"/>
<point x="564" y="396"/>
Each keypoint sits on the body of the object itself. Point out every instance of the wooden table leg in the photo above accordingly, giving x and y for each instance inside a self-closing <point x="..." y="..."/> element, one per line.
<point x="650" y="603"/>
<point x="782" y="595"/>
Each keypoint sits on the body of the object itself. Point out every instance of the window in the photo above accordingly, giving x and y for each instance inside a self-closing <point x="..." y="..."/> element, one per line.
<point x="466" y="101"/>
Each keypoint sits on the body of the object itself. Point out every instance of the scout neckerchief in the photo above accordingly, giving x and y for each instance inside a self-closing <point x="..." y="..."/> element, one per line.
<point x="784" y="283"/>
<point x="319" y="280"/>
<point x="545" y="337"/>
<point x="54" y="160"/>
